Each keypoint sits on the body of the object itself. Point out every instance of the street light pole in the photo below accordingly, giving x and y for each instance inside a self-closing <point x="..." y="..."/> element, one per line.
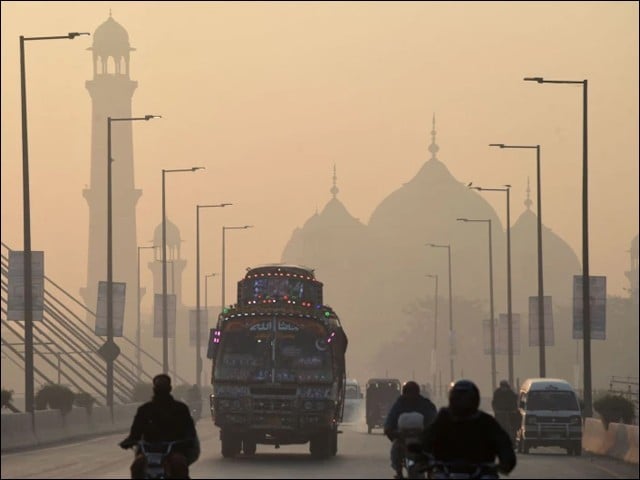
<point x="28" y="277"/>
<point x="451" y="338"/>
<point x="435" y="334"/>
<point x="492" y="323"/>
<point x="165" y="338"/>
<point x="586" y="306"/>
<point x="541" y="325"/>
<point x="198" y="339"/>
<point x="110" y="360"/>
<point x="224" y="229"/>
<point x="509" y="312"/>
<point x="138" y="359"/>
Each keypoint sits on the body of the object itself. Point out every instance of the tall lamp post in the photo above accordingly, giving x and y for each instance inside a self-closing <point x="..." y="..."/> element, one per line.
<point x="507" y="189"/>
<point x="586" y="307"/>
<point x="111" y="358"/>
<point x="434" y="361"/>
<point x="198" y="339"/>
<point x="224" y="229"/>
<point x="451" y="339"/>
<point x="165" y="338"/>
<point x="138" y="360"/>
<point x="28" y="278"/>
<point x="541" y="335"/>
<point x="492" y="323"/>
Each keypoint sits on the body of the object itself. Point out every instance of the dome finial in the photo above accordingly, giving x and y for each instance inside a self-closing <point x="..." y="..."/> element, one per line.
<point x="528" y="201"/>
<point x="433" y="148"/>
<point x="334" y="189"/>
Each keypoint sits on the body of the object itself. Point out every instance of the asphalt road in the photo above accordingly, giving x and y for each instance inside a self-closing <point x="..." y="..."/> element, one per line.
<point x="360" y="455"/>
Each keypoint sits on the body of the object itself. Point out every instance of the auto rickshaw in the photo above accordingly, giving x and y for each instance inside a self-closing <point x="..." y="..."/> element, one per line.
<point x="380" y="395"/>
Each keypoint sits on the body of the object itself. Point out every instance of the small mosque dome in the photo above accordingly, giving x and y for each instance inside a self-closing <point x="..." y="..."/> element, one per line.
<point x="173" y="235"/>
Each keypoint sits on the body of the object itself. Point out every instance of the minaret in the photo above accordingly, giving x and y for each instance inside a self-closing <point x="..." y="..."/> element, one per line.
<point x="433" y="148"/>
<point x="334" y="188"/>
<point x="528" y="202"/>
<point x="111" y="91"/>
<point x="175" y="263"/>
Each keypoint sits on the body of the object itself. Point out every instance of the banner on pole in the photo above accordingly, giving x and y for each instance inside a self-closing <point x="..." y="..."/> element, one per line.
<point x="502" y="332"/>
<point x="597" y="307"/>
<point x="486" y="336"/>
<point x="534" y="333"/>
<point x="204" y="327"/>
<point x="119" y="290"/>
<point x="15" y="296"/>
<point x="171" y="315"/>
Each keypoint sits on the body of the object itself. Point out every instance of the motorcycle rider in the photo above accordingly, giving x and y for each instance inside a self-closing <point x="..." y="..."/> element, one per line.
<point x="505" y="408"/>
<point x="409" y="401"/>
<point x="164" y="419"/>
<point x="463" y="433"/>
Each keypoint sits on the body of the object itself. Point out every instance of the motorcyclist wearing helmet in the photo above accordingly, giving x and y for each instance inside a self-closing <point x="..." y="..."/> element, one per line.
<point x="164" y="419"/>
<point x="409" y="401"/>
<point x="505" y="408"/>
<point x="462" y="433"/>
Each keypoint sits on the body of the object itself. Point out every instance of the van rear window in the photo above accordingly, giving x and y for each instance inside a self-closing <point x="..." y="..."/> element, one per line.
<point x="551" y="400"/>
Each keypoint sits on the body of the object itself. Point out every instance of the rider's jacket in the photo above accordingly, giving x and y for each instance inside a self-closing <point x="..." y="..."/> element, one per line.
<point x="406" y="404"/>
<point x="164" y="419"/>
<point x="475" y="439"/>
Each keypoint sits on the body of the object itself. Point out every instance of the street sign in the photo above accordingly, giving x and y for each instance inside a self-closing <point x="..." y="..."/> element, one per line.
<point x="119" y="290"/>
<point x="547" y="318"/>
<point x="171" y="315"/>
<point x="204" y="326"/>
<point x="597" y="307"/>
<point x="15" y="299"/>
<point x="502" y="333"/>
<point x="109" y="351"/>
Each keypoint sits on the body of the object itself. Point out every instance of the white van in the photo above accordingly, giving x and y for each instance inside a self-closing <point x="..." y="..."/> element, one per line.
<point x="550" y="415"/>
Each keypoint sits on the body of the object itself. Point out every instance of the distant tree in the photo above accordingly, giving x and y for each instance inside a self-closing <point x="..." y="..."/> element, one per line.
<point x="142" y="392"/>
<point x="7" y="396"/>
<point x="614" y="408"/>
<point x="55" y="396"/>
<point x="84" y="399"/>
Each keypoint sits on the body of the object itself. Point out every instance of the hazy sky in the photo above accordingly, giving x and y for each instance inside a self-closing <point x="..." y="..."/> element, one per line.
<point x="268" y="96"/>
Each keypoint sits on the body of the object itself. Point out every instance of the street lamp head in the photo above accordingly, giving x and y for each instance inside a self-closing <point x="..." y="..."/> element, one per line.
<point x="73" y="35"/>
<point x="149" y="117"/>
<point x="462" y="219"/>
<point x="193" y="169"/>
<point x="248" y="226"/>
<point x="501" y="145"/>
<point x="534" y="79"/>
<point x="476" y="188"/>
<point x="508" y="186"/>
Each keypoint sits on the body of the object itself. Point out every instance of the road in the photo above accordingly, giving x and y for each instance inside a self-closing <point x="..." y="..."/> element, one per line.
<point x="359" y="456"/>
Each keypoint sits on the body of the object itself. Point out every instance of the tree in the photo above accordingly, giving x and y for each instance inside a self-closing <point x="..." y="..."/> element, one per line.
<point x="55" y="396"/>
<point x="615" y="408"/>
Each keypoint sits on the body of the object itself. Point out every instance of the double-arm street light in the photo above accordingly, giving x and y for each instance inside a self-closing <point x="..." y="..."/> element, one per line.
<point x="492" y="322"/>
<point x="541" y="326"/>
<point x="28" y="278"/>
<point x="509" y="314"/>
<point x="165" y="330"/>
<point x="111" y="358"/>
<point x="138" y="360"/>
<point x="451" y="338"/>
<point x="224" y="229"/>
<point x="586" y="308"/>
<point x="434" y="358"/>
<point x="198" y="339"/>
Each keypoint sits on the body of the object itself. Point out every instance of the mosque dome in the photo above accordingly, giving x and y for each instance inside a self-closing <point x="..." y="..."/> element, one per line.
<point x="173" y="235"/>
<point x="111" y="37"/>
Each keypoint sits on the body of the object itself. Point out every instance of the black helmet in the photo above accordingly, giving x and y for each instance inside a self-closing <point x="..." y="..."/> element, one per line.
<point x="464" y="398"/>
<point x="411" y="388"/>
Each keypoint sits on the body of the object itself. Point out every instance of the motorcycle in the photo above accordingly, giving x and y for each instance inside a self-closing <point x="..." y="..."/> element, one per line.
<point x="410" y="428"/>
<point x="461" y="470"/>
<point x="155" y="454"/>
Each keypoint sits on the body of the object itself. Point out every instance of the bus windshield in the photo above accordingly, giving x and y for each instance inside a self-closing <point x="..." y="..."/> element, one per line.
<point x="275" y="350"/>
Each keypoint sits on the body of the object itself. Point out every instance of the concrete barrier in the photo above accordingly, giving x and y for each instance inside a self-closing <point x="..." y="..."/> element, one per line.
<point x="618" y="441"/>
<point x="76" y="422"/>
<point x="17" y="431"/>
<point x="100" y="420"/>
<point x="49" y="426"/>
<point x="123" y="416"/>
